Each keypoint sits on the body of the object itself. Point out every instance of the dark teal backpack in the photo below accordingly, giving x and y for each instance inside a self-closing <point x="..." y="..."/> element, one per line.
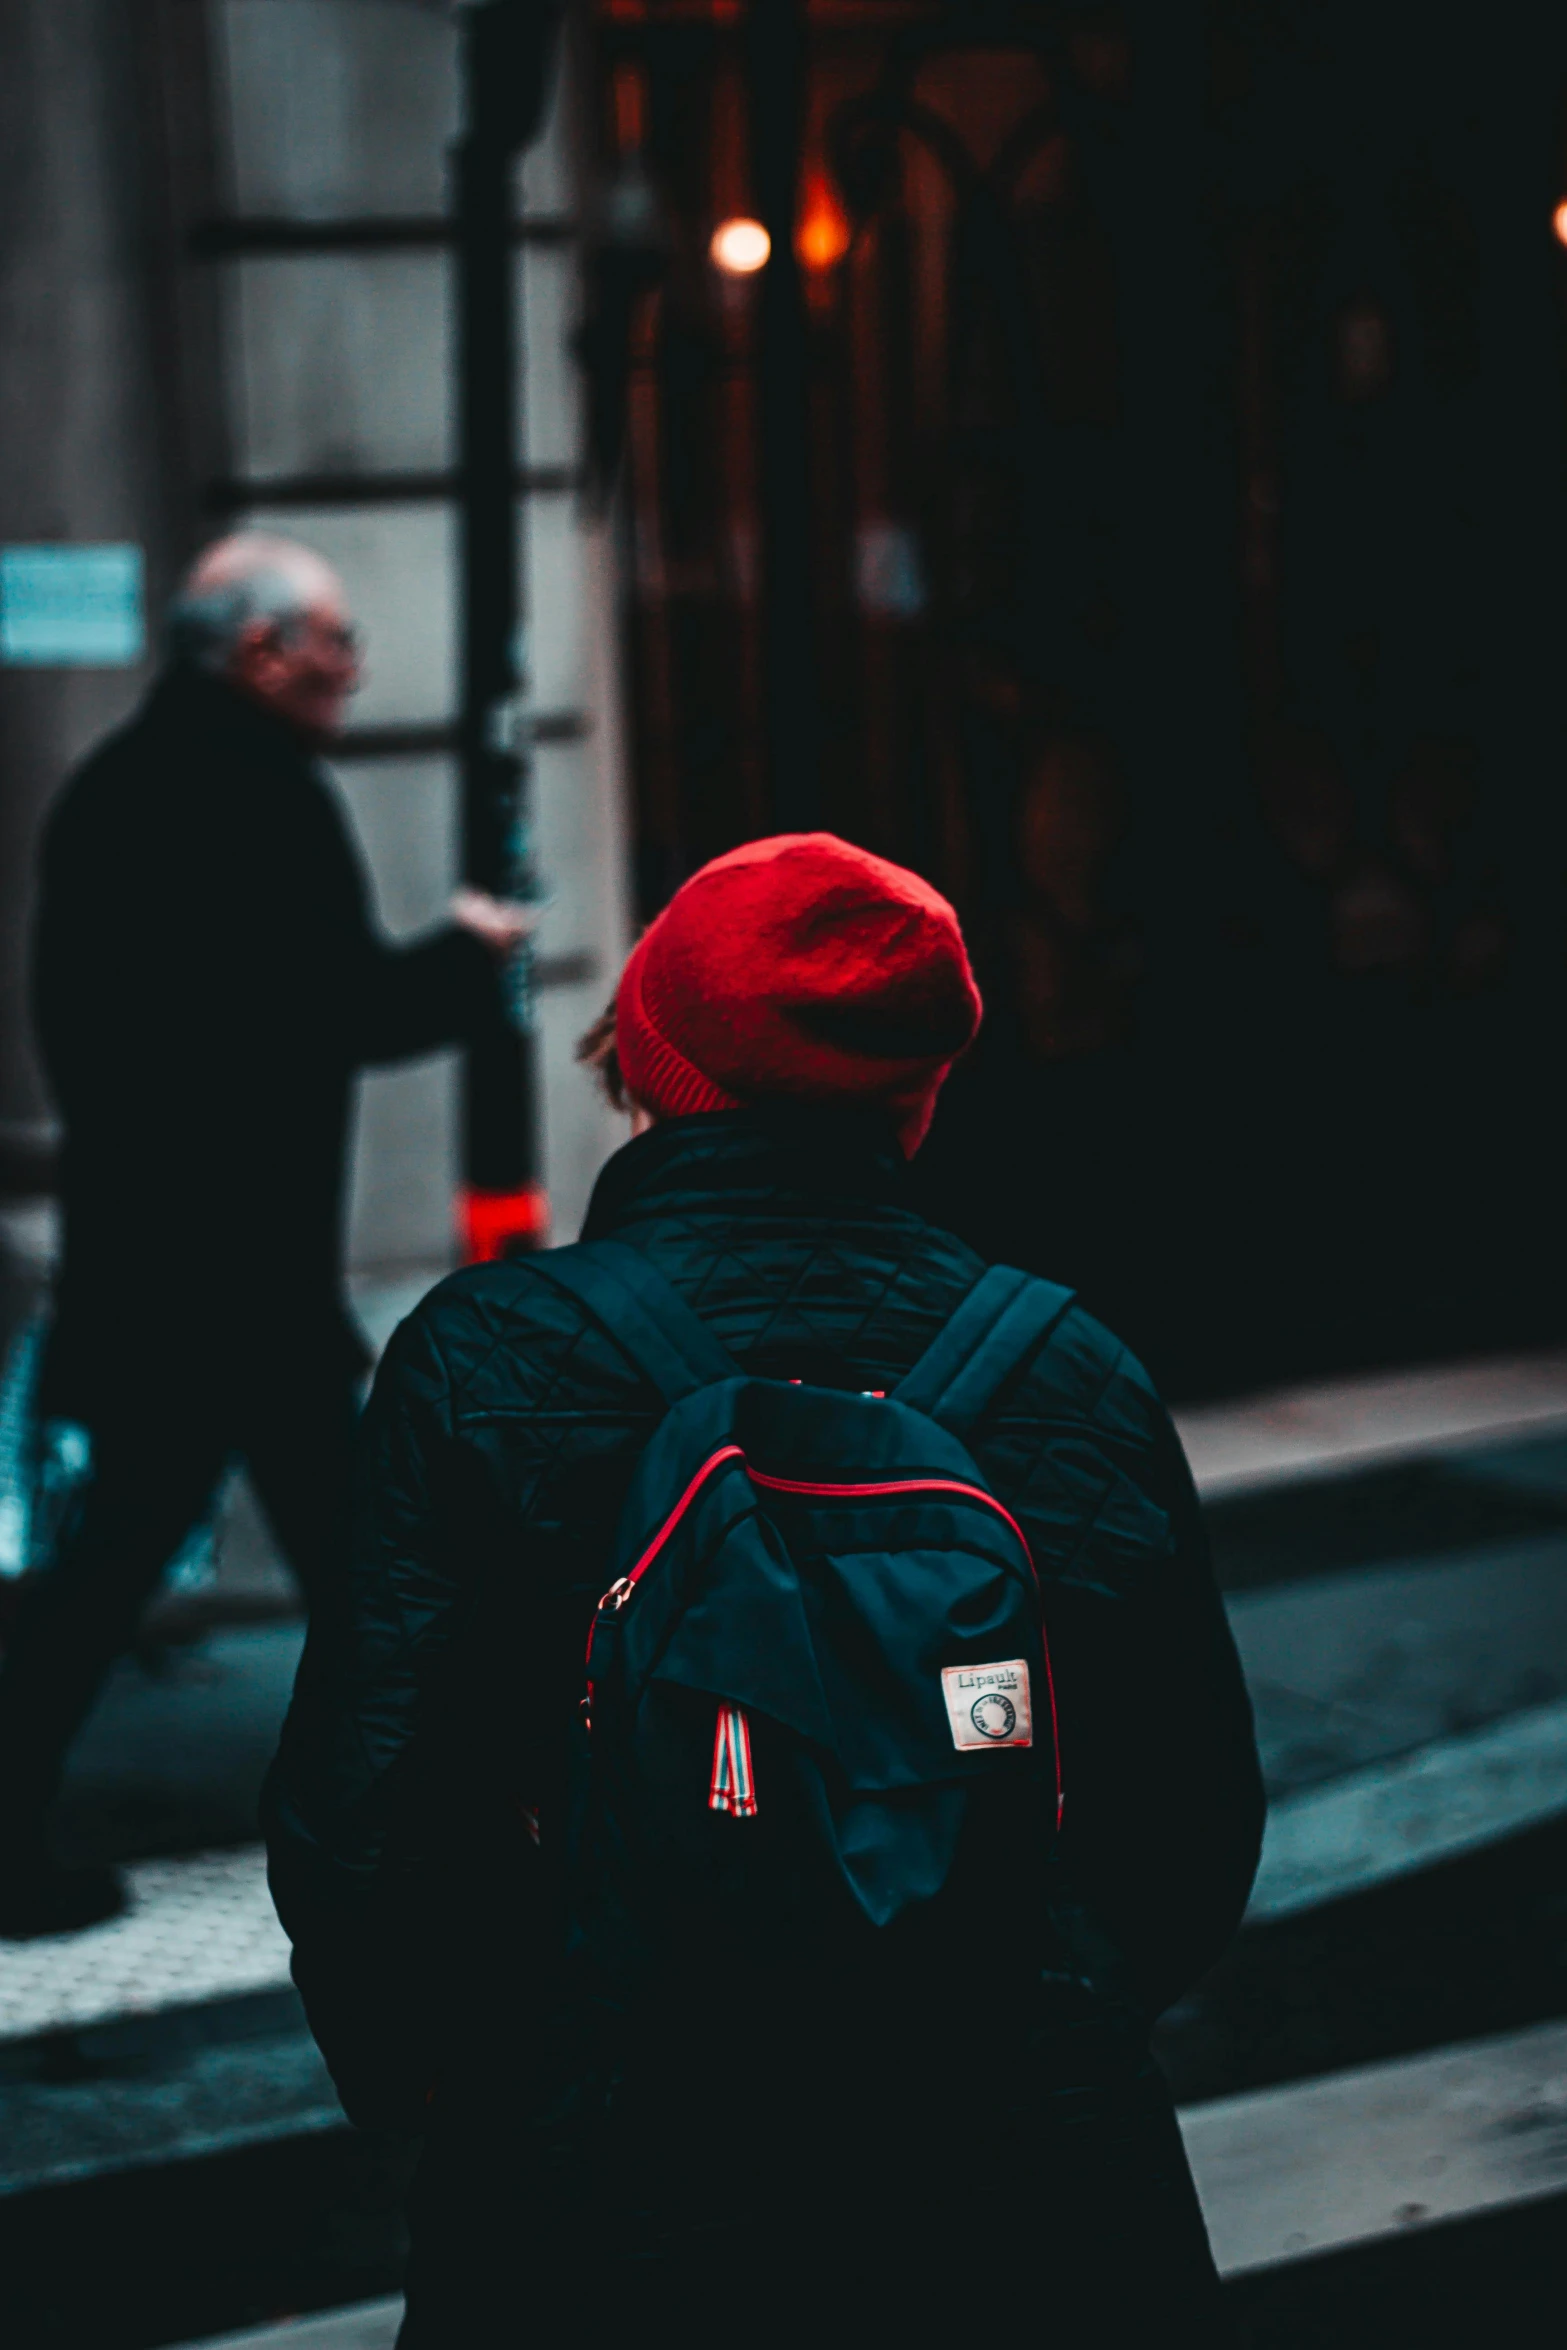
<point x="818" y="1716"/>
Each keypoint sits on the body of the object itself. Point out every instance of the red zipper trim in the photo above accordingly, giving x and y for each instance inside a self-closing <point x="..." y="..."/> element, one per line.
<point x="903" y="1485"/>
<point x="727" y="1452"/>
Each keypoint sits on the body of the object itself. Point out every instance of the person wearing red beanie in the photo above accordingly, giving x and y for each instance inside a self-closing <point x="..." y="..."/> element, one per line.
<point x="797" y="968"/>
<point x="781" y="1033"/>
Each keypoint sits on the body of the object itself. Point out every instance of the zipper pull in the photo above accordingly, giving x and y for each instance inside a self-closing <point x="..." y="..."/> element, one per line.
<point x="733" y="1785"/>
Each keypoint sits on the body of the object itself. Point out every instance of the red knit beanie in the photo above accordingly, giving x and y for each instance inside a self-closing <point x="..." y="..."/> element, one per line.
<point x="797" y="968"/>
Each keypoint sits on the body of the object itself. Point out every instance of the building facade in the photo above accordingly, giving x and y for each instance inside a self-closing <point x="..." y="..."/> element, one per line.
<point x="228" y="284"/>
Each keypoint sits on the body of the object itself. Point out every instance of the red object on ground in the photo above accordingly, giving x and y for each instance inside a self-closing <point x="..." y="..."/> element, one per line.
<point x="798" y="968"/>
<point x="492" y="1224"/>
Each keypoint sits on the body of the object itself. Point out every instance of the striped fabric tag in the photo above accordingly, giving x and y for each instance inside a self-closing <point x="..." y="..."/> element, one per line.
<point x="733" y="1787"/>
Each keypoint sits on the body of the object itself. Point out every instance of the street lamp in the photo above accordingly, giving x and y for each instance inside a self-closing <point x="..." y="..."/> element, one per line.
<point x="740" y="247"/>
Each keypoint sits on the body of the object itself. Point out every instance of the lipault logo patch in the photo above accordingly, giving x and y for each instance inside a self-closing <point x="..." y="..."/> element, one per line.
<point x="988" y="1705"/>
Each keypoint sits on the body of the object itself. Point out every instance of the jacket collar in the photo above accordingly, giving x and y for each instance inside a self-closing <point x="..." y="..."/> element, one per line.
<point x="194" y="703"/>
<point x="786" y="1159"/>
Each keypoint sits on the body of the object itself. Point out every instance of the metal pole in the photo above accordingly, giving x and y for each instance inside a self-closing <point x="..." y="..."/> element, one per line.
<point x="776" y="61"/>
<point x="503" y="1205"/>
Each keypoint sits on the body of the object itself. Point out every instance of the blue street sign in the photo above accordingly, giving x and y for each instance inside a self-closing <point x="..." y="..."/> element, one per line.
<point x="72" y="607"/>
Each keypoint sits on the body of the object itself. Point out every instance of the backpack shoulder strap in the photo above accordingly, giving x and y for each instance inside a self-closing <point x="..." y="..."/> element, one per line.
<point x="672" y="1348"/>
<point x="1004" y="1320"/>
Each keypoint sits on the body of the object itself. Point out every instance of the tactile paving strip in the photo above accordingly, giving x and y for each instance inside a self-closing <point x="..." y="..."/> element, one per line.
<point x="197" y="1928"/>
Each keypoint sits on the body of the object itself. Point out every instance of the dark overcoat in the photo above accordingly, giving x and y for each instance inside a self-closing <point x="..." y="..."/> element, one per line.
<point x="502" y="1433"/>
<point x="207" y="977"/>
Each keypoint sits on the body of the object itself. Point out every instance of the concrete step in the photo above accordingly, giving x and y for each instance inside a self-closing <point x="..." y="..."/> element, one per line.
<point x="1381" y="2149"/>
<point x="372" y="2325"/>
<point x="145" y="2092"/>
<point x="1328" y="1426"/>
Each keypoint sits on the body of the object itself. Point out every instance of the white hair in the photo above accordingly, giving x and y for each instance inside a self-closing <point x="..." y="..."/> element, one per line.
<point x="234" y="584"/>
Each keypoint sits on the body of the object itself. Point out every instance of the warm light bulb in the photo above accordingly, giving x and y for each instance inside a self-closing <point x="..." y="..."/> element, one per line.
<point x="740" y="247"/>
<point x="823" y="237"/>
<point x="1559" y="222"/>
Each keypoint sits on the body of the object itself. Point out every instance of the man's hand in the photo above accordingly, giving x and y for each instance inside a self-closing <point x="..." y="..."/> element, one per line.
<point x="498" y="923"/>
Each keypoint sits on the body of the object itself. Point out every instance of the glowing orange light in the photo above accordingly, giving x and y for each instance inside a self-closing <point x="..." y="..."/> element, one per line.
<point x="740" y="247"/>
<point x="822" y="238"/>
<point x="1559" y="222"/>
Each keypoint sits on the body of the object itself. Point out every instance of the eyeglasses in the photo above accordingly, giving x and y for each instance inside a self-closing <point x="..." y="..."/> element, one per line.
<point x="339" y="636"/>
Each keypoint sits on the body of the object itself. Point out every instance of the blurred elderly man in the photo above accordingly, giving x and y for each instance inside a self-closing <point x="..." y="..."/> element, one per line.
<point x="207" y="979"/>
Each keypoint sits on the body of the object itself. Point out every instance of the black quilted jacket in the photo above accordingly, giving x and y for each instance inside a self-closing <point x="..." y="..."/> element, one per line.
<point x="500" y="1439"/>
